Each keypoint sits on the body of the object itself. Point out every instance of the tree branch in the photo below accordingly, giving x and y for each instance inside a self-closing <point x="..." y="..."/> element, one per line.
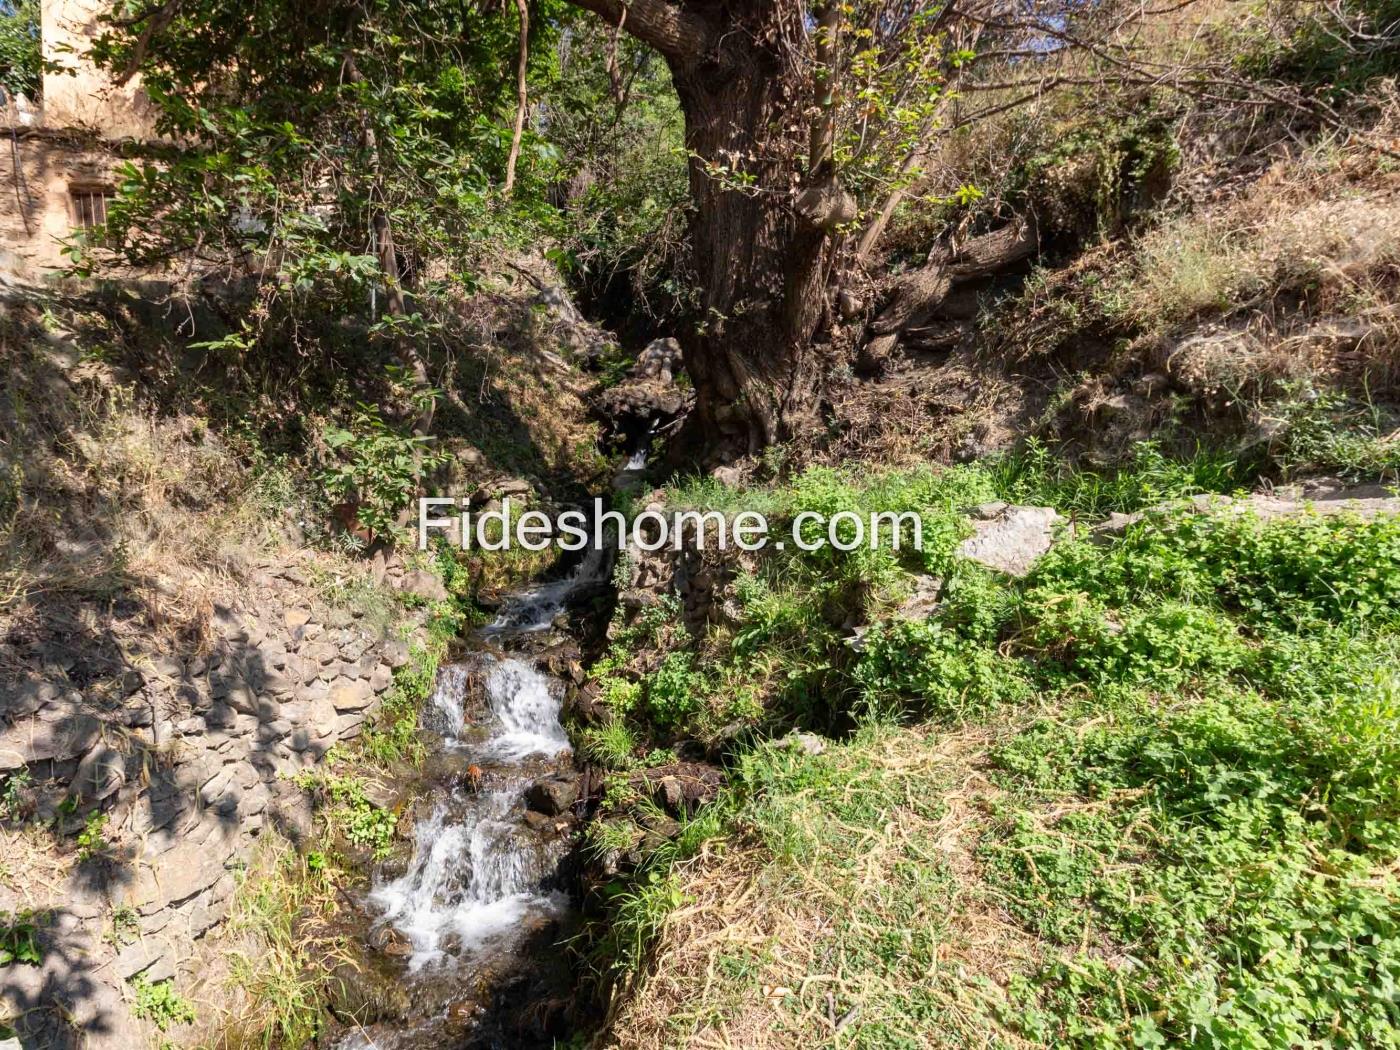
<point x="522" y="99"/>
<point x="669" y="28"/>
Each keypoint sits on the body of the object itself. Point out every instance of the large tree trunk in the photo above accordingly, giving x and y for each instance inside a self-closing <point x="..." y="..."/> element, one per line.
<point x="758" y="265"/>
<point x="759" y="238"/>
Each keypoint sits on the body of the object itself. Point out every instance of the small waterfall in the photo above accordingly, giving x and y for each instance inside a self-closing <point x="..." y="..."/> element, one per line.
<point x="527" y="708"/>
<point x="478" y="874"/>
<point x="534" y="608"/>
<point x="470" y="883"/>
<point x="449" y="698"/>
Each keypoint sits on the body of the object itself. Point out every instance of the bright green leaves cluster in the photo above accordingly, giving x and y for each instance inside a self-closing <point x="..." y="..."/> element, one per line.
<point x="1306" y="570"/>
<point x="297" y="127"/>
<point x="376" y="468"/>
<point x="159" y="1003"/>
<point x="936" y="673"/>
<point x="1038" y="474"/>
<point x="21" y="56"/>
<point x="19" y="939"/>
<point x="1229" y="785"/>
<point x="348" y="809"/>
<point x="1222" y="846"/>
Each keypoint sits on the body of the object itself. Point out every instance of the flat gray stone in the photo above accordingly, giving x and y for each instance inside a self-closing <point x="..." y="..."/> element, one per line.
<point x="1011" y="541"/>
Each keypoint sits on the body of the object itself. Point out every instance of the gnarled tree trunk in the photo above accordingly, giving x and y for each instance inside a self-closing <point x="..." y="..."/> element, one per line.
<point x="760" y="235"/>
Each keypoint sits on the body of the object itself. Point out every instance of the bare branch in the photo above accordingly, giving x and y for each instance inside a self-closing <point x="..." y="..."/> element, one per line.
<point x="522" y="96"/>
<point x="670" y="29"/>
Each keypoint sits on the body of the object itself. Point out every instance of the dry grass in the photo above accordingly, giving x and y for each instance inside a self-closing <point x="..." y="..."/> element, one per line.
<point x="32" y="873"/>
<point x="105" y="499"/>
<point x="861" y="921"/>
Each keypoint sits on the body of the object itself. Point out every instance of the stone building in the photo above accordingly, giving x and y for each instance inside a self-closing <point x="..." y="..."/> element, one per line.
<point x="58" y="170"/>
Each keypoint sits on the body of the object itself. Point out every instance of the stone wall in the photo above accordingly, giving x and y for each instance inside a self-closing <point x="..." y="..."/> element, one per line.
<point x="189" y="757"/>
<point x="35" y="206"/>
<point x="76" y="95"/>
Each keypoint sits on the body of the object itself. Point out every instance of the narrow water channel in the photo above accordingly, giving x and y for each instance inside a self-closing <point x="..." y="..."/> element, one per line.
<point x="473" y="921"/>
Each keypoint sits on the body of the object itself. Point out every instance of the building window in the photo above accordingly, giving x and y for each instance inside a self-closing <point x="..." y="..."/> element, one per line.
<point x="89" y="207"/>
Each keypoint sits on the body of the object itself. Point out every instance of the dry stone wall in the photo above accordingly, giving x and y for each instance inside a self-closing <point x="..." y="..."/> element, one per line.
<point x="188" y="758"/>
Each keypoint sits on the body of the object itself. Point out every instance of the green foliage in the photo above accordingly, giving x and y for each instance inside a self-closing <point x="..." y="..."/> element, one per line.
<point x="1311" y="569"/>
<point x="378" y="468"/>
<point x="1336" y="50"/>
<point x="125" y="927"/>
<point x="285" y="975"/>
<point x="92" y="840"/>
<point x="1037" y="474"/>
<point x="1325" y="431"/>
<point x="393" y="734"/>
<point x="159" y="1003"/>
<point x="13" y="802"/>
<point x="928" y="671"/>
<point x="624" y="164"/>
<point x="1256" y="905"/>
<point x="612" y="745"/>
<point x="1091" y="171"/>
<point x="349" y="811"/>
<point x="672" y="691"/>
<point x="19" y="939"/>
<point x="399" y="107"/>
<point x="21" y="53"/>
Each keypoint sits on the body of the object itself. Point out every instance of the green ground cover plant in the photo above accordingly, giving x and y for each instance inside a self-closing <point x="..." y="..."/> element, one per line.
<point x="1192" y="733"/>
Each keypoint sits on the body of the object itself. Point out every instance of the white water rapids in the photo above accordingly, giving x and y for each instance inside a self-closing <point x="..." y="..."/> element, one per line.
<point x="475" y="874"/>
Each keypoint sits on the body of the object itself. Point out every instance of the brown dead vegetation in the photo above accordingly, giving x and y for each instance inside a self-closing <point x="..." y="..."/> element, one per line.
<point x="754" y="957"/>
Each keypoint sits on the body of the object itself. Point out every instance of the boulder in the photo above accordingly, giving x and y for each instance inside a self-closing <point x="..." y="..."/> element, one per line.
<point x="350" y="694"/>
<point x="61" y="731"/>
<point x="924" y="601"/>
<point x="551" y="795"/>
<point x="425" y="585"/>
<point x="395" y="653"/>
<point x="148" y="957"/>
<point x="1012" y="539"/>
<point x="1326" y="500"/>
<point x="101" y="772"/>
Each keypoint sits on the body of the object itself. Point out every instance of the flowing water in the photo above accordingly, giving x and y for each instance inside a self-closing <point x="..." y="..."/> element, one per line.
<point x="483" y="887"/>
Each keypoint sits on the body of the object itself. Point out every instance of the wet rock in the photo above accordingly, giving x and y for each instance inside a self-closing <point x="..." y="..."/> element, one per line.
<point x="390" y="941"/>
<point x="551" y="795"/>
<point x="364" y="994"/>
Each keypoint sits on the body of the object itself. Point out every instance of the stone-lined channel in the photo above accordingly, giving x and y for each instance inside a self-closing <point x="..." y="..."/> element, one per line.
<point x="471" y="925"/>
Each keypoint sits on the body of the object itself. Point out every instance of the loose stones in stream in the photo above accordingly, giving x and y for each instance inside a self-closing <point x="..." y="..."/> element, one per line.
<point x="474" y="918"/>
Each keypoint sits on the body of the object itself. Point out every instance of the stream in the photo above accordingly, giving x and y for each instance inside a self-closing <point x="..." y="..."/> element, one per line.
<point x="471" y="926"/>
